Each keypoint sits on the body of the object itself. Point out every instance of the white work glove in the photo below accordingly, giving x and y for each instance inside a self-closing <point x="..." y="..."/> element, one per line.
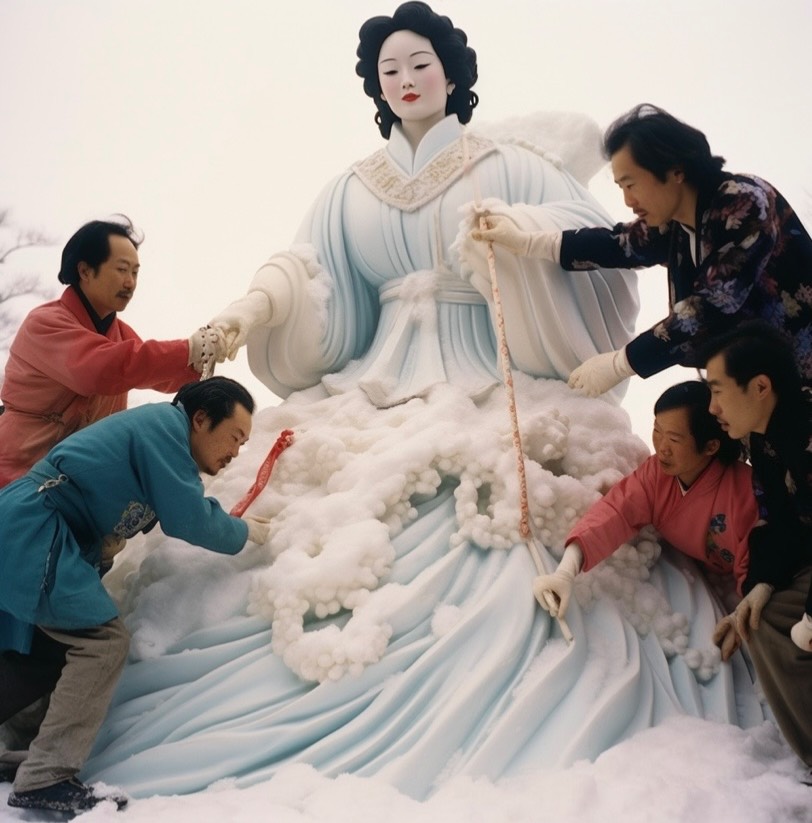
<point x="748" y="612"/>
<point x="258" y="528"/>
<point x="801" y="633"/>
<point x="553" y="591"/>
<point x="601" y="373"/>
<point x="726" y="637"/>
<point x="207" y="346"/>
<point x="544" y="245"/>
<point x="239" y="317"/>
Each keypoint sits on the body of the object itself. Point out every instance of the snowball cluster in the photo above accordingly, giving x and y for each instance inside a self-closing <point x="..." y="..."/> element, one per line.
<point x="354" y="474"/>
<point x="351" y="482"/>
<point x="625" y="577"/>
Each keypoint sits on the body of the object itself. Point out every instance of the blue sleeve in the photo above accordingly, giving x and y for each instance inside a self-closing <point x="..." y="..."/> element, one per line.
<point x="172" y="483"/>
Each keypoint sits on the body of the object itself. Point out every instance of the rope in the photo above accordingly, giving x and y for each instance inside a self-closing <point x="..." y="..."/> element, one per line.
<point x="525" y="529"/>
<point x="507" y="377"/>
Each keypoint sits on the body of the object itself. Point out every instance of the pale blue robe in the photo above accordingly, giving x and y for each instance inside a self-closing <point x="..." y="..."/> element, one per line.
<point x="385" y="309"/>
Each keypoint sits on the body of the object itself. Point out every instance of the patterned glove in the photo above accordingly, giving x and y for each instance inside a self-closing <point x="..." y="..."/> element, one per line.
<point x="239" y="317"/>
<point x="801" y="633"/>
<point x="258" y="528"/>
<point x="553" y="591"/>
<point x="207" y="346"/>
<point x="601" y="373"/>
<point x="544" y="245"/>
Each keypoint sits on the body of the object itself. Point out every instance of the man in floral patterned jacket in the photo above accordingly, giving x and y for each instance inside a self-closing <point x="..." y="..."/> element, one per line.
<point x="756" y="392"/>
<point x="733" y="247"/>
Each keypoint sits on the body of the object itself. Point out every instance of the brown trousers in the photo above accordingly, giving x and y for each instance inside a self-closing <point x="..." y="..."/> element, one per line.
<point x="784" y="671"/>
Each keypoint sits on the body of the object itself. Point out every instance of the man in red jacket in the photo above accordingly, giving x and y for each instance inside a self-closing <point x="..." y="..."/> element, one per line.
<point x="73" y="361"/>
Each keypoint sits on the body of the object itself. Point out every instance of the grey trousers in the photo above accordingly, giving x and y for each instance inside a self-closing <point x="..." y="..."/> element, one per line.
<point x="78" y="703"/>
<point x="784" y="670"/>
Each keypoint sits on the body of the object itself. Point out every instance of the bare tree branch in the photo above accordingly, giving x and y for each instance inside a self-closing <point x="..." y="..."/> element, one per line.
<point x="15" y="284"/>
<point x="21" y="238"/>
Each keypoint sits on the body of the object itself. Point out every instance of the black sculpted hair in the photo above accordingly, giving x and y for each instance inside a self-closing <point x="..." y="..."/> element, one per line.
<point x="694" y="396"/>
<point x="91" y="245"/>
<point x="660" y="142"/>
<point x="450" y="44"/>
<point x="216" y="396"/>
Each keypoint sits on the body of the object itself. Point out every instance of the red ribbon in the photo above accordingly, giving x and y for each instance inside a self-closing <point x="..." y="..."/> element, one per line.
<point x="264" y="473"/>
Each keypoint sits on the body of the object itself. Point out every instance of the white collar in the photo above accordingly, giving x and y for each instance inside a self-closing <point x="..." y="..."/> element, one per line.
<point x="435" y="140"/>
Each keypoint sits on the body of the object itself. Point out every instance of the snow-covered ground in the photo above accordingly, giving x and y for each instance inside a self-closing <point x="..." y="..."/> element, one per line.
<point x="684" y="771"/>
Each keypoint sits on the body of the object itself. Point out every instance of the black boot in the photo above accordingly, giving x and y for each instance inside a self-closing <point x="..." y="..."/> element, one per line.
<point x="67" y="796"/>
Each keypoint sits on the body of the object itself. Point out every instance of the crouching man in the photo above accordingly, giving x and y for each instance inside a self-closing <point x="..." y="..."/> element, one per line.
<point x="756" y="393"/>
<point x="59" y="630"/>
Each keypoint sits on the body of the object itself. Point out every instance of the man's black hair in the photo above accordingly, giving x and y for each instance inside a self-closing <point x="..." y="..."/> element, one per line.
<point x="756" y="347"/>
<point x="216" y="396"/>
<point x="694" y="396"/>
<point x="91" y="245"/>
<point x="660" y="143"/>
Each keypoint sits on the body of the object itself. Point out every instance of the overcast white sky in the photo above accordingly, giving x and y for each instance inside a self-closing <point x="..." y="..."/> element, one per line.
<point x="213" y="125"/>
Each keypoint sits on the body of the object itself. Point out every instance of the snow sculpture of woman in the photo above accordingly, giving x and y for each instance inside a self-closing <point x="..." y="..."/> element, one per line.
<point x="404" y="640"/>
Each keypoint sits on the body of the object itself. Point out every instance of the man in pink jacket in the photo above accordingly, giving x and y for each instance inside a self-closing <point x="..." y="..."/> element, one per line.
<point x="73" y="361"/>
<point x="694" y="490"/>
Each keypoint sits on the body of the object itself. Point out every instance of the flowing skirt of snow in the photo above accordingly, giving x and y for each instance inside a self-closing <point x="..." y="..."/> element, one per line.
<point x="388" y="627"/>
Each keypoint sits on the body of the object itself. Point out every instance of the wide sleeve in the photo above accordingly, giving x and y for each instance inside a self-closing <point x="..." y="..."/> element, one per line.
<point x="89" y="363"/>
<point x="737" y="241"/>
<point x="329" y="313"/>
<point x="555" y="320"/>
<point x="617" y="516"/>
<point x="171" y="482"/>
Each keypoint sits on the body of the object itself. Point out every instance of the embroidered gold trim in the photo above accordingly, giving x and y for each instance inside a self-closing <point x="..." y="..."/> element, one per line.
<point x="382" y="176"/>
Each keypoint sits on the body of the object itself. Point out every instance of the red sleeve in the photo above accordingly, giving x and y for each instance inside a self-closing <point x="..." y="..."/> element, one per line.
<point x="89" y="363"/>
<point x="617" y="516"/>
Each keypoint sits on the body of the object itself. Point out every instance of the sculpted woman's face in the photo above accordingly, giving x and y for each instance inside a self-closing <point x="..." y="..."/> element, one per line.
<point x="413" y="82"/>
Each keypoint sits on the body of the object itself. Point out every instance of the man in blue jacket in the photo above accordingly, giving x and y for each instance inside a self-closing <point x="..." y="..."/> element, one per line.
<point x="59" y="629"/>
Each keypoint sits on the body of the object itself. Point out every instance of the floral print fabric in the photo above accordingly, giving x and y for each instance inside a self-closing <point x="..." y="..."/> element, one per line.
<point x="753" y="259"/>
